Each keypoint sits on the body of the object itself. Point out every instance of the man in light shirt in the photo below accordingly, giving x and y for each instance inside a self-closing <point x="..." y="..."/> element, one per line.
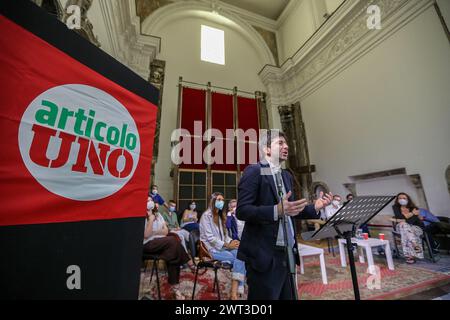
<point x="330" y="211"/>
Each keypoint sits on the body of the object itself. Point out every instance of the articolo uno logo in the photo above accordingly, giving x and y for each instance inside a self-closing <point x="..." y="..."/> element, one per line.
<point x="79" y="142"/>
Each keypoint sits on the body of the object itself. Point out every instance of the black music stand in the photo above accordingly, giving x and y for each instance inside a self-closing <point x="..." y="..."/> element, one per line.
<point x="345" y="222"/>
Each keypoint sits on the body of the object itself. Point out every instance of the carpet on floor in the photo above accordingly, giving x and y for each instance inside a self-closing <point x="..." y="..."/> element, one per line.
<point x="401" y="282"/>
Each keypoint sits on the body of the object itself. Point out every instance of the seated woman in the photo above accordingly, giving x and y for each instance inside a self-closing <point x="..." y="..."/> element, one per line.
<point x="189" y="220"/>
<point x="410" y="227"/>
<point x="169" y="248"/>
<point x="213" y="234"/>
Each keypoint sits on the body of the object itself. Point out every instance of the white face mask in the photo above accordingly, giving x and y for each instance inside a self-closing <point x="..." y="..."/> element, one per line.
<point x="150" y="205"/>
<point x="403" y="202"/>
<point x="192" y="206"/>
<point x="155" y="192"/>
<point x="336" y="203"/>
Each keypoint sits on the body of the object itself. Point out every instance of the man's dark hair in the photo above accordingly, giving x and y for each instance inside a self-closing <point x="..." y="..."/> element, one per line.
<point x="172" y="201"/>
<point x="266" y="138"/>
<point x="349" y="195"/>
<point x="153" y="186"/>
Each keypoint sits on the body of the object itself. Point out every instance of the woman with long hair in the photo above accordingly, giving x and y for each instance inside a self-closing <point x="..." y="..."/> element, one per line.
<point x="189" y="219"/>
<point x="158" y="240"/>
<point x="410" y="227"/>
<point x="214" y="235"/>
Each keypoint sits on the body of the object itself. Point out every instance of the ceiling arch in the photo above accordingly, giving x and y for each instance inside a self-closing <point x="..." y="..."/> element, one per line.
<point x="192" y="8"/>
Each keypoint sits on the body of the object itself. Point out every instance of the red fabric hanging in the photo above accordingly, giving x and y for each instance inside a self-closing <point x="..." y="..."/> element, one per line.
<point x="222" y="119"/>
<point x="222" y="116"/>
<point x="248" y="119"/>
<point x="194" y="109"/>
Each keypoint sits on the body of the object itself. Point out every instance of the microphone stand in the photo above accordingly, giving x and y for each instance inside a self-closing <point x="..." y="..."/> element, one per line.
<point x="288" y="251"/>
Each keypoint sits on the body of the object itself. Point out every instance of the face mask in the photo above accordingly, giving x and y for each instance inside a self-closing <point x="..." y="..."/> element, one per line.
<point x="172" y="209"/>
<point x="336" y="203"/>
<point x="403" y="202"/>
<point x="219" y="204"/>
<point x="155" y="192"/>
<point x="150" y="205"/>
<point x="192" y="206"/>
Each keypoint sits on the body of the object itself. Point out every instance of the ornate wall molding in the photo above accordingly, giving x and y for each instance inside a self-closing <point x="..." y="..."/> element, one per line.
<point x="271" y="40"/>
<point x="51" y="6"/>
<point x="86" y="29"/>
<point x="319" y="186"/>
<point x="128" y="44"/>
<point x="157" y="75"/>
<point x="340" y="42"/>
<point x="252" y="18"/>
<point x="415" y="180"/>
<point x="146" y="7"/>
<point x="351" y="187"/>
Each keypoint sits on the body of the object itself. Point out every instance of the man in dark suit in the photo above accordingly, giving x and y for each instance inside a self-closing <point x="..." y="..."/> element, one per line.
<point x="262" y="244"/>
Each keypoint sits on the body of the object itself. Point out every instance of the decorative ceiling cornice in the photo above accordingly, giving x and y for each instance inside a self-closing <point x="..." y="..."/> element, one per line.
<point x="151" y="23"/>
<point x="341" y="41"/>
<point x="128" y="44"/>
<point x="291" y="6"/>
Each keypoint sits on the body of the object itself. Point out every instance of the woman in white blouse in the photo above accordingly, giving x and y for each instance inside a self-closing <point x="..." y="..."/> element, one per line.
<point x="214" y="235"/>
<point x="158" y="241"/>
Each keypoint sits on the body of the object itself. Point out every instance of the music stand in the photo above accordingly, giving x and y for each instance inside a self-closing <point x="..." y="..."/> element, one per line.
<point x="345" y="222"/>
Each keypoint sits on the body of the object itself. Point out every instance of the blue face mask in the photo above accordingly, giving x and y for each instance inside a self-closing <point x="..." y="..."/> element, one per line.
<point x="219" y="204"/>
<point x="171" y="209"/>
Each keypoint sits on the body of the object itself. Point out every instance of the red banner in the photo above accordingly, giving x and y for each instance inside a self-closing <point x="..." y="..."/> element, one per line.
<point x="75" y="145"/>
<point x="193" y="111"/>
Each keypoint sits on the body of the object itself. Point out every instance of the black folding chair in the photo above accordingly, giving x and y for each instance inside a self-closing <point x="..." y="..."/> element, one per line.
<point x="208" y="263"/>
<point x="155" y="259"/>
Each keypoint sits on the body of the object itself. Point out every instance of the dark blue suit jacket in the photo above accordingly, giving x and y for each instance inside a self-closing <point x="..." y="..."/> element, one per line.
<point x="257" y="196"/>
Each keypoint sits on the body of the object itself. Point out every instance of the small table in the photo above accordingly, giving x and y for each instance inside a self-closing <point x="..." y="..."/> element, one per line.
<point x="368" y="245"/>
<point x="304" y="251"/>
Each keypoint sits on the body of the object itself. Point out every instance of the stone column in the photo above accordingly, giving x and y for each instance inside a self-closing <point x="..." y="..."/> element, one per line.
<point x="156" y="78"/>
<point x="298" y="162"/>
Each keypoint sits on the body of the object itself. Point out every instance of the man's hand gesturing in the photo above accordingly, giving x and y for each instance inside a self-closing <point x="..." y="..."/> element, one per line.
<point x="291" y="208"/>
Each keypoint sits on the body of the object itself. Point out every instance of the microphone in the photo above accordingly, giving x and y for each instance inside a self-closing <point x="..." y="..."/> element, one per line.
<point x="279" y="181"/>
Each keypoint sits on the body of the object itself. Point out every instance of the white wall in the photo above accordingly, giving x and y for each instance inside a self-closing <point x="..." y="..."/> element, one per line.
<point x="181" y="51"/>
<point x="444" y="6"/>
<point x="390" y="109"/>
<point x="295" y="29"/>
<point x="332" y="5"/>
<point x="95" y="16"/>
<point x="301" y="23"/>
<point x="388" y="186"/>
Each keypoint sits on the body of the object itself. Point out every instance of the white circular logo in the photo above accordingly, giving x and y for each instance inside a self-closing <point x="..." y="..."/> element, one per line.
<point x="79" y="142"/>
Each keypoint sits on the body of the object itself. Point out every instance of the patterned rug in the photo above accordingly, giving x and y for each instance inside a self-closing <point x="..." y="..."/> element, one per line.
<point x="405" y="280"/>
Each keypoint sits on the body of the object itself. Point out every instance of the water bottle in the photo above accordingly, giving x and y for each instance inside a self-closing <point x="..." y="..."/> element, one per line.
<point x="359" y="234"/>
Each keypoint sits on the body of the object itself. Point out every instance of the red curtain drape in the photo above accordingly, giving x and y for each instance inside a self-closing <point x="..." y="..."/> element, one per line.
<point x="193" y="109"/>
<point x="248" y="119"/>
<point x="222" y="119"/>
